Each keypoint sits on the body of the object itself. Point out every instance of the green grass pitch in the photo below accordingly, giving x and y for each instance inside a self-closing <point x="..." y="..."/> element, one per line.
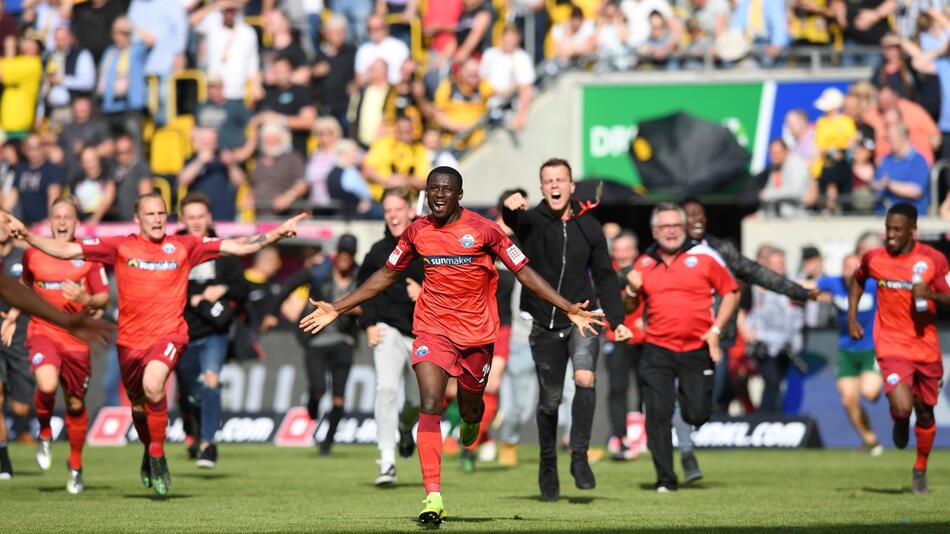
<point x="266" y="489"/>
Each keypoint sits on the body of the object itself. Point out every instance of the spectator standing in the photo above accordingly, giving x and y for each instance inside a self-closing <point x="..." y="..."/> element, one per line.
<point x="834" y="133"/>
<point x="277" y="171"/>
<point x="230" y="53"/>
<point x="132" y="177"/>
<point x="396" y="161"/>
<point x="215" y="289"/>
<point x="95" y="191"/>
<point x="532" y="19"/>
<point x="568" y="250"/>
<point x="122" y="87"/>
<point x="661" y="46"/>
<point x="509" y="71"/>
<point x="709" y="19"/>
<point x="461" y="101"/>
<point x="92" y="23"/>
<point x="473" y="31"/>
<point x="21" y="73"/>
<point x="70" y="71"/>
<point x="214" y="172"/>
<point x="637" y="13"/>
<point x="903" y="175"/>
<point x="786" y="182"/>
<point x="289" y="104"/>
<point x="284" y="44"/>
<point x="574" y="38"/>
<point x="322" y="160"/>
<point x="799" y="135"/>
<point x="865" y="22"/>
<point x="37" y="183"/>
<point x="773" y="331"/>
<point x="45" y="17"/>
<point x="387" y="320"/>
<point x="676" y="279"/>
<point x="810" y="22"/>
<point x="407" y="99"/>
<point x="84" y="130"/>
<point x="334" y="71"/>
<point x="403" y="12"/>
<point x="163" y="27"/>
<point x="227" y="117"/>
<point x="904" y="78"/>
<point x="764" y="24"/>
<point x="357" y="13"/>
<point x="612" y="36"/>
<point x="380" y="46"/>
<point x="367" y="109"/>
<point x="923" y="131"/>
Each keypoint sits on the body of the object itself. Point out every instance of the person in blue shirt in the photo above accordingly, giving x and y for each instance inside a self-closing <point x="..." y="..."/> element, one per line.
<point x="903" y="175"/>
<point x="857" y="371"/>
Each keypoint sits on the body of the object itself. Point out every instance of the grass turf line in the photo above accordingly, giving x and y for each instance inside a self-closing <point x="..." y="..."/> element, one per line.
<point x="260" y="488"/>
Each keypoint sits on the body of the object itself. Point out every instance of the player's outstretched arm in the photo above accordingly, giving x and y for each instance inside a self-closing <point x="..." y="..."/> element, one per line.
<point x="326" y="313"/>
<point x="242" y="246"/>
<point x="65" y="250"/>
<point x="855" y="290"/>
<point x="16" y="295"/>
<point x="584" y="320"/>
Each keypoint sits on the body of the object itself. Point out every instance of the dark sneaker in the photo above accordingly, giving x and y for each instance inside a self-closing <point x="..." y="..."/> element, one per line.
<point x="919" y="484"/>
<point x="208" y="457"/>
<point x="901" y="433"/>
<point x="580" y="469"/>
<point x="691" y="471"/>
<point x="325" y="447"/>
<point x="6" y="468"/>
<point x="467" y="459"/>
<point x="193" y="451"/>
<point x="145" y="471"/>
<point x="548" y="482"/>
<point x="161" y="478"/>
<point x="407" y="445"/>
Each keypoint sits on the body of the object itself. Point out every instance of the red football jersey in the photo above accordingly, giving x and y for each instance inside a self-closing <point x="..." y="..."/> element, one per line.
<point x="45" y="275"/>
<point x="679" y="297"/>
<point x="900" y="331"/>
<point x="152" y="279"/>
<point x="458" y="293"/>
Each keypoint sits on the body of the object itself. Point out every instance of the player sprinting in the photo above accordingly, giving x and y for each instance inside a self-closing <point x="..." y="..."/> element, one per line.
<point x="56" y="356"/>
<point x="151" y="271"/>
<point x="905" y="331"/>
<point x="456" y="316"/>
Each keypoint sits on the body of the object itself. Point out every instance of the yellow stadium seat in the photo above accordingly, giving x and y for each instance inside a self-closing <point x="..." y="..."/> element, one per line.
<point x="184" y="124"/>
<point x="164" y="188"/>
<point x="168" y="151"/>
<point x="245" y="215"/>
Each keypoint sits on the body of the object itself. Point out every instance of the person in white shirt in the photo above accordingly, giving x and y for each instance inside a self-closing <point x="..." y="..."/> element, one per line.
<point x="380" y="46"/>
<point x="510" y="72"/>
<point x="638" y="12"/>
<point x="574" y="38"/>
<point x="230" y="51"/>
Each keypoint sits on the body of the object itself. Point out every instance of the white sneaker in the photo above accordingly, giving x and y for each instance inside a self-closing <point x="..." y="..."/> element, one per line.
<point x="75" y="484"/>
<point x="387" y="475"/>
<point x="487" y="451"/>
<point x="44" y="456"/>
<point x="876" y="450"/>
<point x="663" y="489"/>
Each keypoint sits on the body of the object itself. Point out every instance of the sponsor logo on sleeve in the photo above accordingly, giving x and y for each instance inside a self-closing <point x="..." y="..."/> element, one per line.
<point x="90" y="241"/>
<point x="38" y="358"/>
<point x="515" y="254"/>
<point x="208" y="239"/>
<point x="395" y="255"/>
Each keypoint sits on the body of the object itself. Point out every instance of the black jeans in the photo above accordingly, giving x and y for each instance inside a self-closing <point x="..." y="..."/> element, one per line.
<point x="772" y="369"/>
<point x="551" y="349"/>
<point x="337" y="359"/>
<point x="660" y="368"/>
<point x="621" y="363"/>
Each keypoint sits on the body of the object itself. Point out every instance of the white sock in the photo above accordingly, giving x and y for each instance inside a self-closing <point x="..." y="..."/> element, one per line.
<point x="387" y="456"/>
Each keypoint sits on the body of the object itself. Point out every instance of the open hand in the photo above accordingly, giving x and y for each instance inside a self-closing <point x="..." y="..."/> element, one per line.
<point x="318" y="318"/>
<point x="75" y="292"/>
<point x="585" y="320"/>
<point x="622" y="333"/>
<point x="7" y="329"/>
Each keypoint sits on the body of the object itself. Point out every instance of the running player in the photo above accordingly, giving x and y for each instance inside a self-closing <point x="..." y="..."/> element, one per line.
<point x="152" y="277"/>
<point x="55" y="355"/>
<point x="905" y="331"/>
<point x="456" y="316"/>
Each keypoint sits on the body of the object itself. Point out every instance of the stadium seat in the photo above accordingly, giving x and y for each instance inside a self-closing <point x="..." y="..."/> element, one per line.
<point x="164" y="188"/>
<point x="245" y="215"/>
<point x="186" y="90"/>
<point x="168" y="151"/>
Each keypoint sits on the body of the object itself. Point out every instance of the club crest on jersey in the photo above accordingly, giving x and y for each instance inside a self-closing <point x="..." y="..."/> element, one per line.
<point x="78" y="263"/>
<point x="422" y="351"/>
<point x="467" y="241"/>
<point x="920" y="267"/>
<point x="893" y="379"/>
<point x="38" y="358"/>
<point x="691" y="261"/>
<point x="16" y="270"/>
<point x="168" y="248"/>
<point x="646" y="261"/>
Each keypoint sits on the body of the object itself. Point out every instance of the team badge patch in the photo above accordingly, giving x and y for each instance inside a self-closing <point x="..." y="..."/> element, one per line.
<point x="168" y="248"/>
<point x="515" y="254"/>
<point x="691" y="261"/>
<point x="467" y="241"/>
<point x="893" y="379"/>
<point x="37" y="358"/>
<point x="422" y="351"/>
<point x="395" y="255"/>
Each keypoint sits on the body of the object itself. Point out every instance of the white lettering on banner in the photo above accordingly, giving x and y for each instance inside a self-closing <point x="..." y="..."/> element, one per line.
<point x="231" y="379"/>
<point x="254" y="399"/>
<point x="245" y="430"/>
<point x="774" y="434"/>
<point x="611" y="141"/>
<point x="284" y="388"/>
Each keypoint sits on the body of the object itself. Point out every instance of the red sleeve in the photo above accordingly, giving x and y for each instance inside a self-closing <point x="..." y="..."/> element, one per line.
<point x="27" y="275"/>
<point x="720" y="279"/>
<point x="405" y="251"/>
<point x="202" y="249"/>
<point x="101" y="250"/>
<point x="503" y="248"/>
<point x="98" y="279"/>
<point x="941" y="272"/>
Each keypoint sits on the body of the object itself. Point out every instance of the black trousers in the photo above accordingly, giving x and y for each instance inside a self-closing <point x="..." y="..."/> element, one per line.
<point x="660" y="368"/>
<point x="337" y="359"/>
<point x="772" y="369"/>
<point x="622" y="362"/>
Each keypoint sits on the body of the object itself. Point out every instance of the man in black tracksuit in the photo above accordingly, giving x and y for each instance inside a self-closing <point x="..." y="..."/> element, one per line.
<point x="215" y="289"/>
<point x="567" y="247"/>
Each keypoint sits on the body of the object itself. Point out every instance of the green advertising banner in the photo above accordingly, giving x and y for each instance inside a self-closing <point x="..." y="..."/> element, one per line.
<point x="610" y="114"/>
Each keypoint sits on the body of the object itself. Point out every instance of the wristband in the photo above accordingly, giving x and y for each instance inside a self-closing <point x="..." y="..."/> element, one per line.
<point x="715" y="330"/>
<point x="631" y="294"/>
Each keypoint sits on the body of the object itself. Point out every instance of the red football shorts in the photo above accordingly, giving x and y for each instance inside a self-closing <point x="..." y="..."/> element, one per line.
<point x="469" y="365"/>
<point x="132" y="363"/>
<point x="503" y="345"/>
<point x="924" y="378"/>
<point x="74" y="367"/>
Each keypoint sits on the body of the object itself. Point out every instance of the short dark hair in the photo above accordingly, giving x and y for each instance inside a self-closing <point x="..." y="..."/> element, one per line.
<point x="153" y="194"/>
<point x="905" y="209"/>
<point x="445" y="170"/>
<point x="690" y="200"/>
<point x="507" y="193"/>
<point x="557" y="162"/>
<point x="196" y="197"/>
